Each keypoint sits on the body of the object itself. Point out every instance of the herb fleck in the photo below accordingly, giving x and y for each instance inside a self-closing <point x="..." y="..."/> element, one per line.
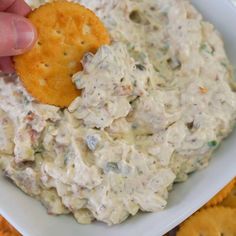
<point x="39" y="149"/>
<point x="134" y="126"/>
<point x="207" y="48"/>
<point x="212" y="143"/>
<point x="140" y="67"/>
<point x="156" y="69"/>
<point x="223" y="64"/>
<point x="165" y="49"/>
<point x="112" y="166"/>
<point x="66" y="158"/>
<point x="174" y="63"/>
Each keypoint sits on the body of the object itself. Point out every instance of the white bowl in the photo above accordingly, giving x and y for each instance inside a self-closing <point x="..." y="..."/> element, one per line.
<point x="31" y="219"/>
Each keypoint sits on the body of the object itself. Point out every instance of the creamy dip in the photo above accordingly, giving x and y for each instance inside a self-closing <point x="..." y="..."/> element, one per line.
<point x="155" y="104"/>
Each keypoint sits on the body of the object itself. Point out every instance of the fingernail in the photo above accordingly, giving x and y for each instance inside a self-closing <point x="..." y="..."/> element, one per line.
<point x="24" y="34"/>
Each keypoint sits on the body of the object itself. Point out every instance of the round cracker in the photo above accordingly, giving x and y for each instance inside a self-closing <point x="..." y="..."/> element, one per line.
<point x="220" y="196"/>
<point x="230" y="200"/>
<point x="212" y="221"/>
<point x="6" y="229"/>
<point x="66" y="31"/>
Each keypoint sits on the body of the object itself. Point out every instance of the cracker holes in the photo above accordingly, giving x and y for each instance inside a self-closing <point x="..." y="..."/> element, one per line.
<point x="43" y="64"/>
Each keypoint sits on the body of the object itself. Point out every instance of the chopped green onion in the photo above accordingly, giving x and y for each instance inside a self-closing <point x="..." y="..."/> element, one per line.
<point x="212" y="143"/>
<point x="223" y="64"/>
<point x="207" y="48"/>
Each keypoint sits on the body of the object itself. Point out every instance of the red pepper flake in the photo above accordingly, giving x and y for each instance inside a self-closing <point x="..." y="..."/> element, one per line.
<point x="203" y="90"/>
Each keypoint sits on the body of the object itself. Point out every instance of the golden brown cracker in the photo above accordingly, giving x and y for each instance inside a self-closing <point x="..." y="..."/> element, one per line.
<point x="230" y="200"/>
<point x="220" y="196"/>
<point x="6" y="229"/>
<point x="66" y="31"/>
<point x="213" y="221"/>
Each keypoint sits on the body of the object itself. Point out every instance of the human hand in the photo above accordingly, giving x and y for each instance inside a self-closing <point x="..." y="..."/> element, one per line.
<point x="17" y="34"/>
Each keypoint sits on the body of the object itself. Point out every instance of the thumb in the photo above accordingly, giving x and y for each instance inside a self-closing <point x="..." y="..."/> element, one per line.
<point x="17" y="34"/>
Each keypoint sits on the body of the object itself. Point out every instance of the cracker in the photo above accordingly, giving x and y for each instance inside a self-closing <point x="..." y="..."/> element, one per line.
<point x="230" y="200"/>
<point x="211" y="221"/>
<point x="220" y="196"/>
<point x="6" y="229"/>
<point x="66" y="31"/>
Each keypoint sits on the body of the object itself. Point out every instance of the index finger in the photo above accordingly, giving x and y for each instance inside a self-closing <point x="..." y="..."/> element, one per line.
<point x="15" y="6"/>
<point x="4" y="4"/>
<point x="19" y="7"/>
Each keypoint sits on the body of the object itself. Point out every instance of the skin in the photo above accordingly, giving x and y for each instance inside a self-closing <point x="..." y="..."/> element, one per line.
<point x="17" y="34"/>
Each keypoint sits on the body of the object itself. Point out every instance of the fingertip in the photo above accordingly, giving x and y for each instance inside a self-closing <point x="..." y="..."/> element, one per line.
<point x="26" y="35"/>
<point x="18" y="35"/>
<point x="4" y="4"/>
<point x="19" y="7"/>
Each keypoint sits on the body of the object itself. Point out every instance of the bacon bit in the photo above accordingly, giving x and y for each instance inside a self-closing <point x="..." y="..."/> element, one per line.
<point x="203" y="90"/>
<point x="5" y="121"/>
<point x="33" y="135"/>
<point x="30" y="116"/>
<point x="124" y="90"/>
